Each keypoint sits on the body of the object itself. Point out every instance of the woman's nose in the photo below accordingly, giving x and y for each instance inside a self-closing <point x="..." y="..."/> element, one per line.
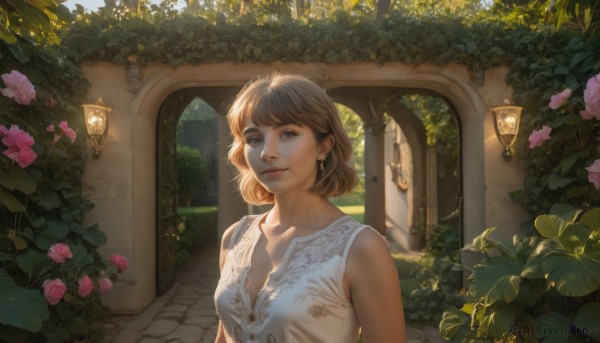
<point x="270" y="150"/>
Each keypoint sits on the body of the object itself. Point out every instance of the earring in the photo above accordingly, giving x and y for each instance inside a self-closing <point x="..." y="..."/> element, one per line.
<point x="322" y="164"/>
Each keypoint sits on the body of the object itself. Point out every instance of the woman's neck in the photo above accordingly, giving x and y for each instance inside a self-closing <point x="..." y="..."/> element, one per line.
<point x="310" y="211"/>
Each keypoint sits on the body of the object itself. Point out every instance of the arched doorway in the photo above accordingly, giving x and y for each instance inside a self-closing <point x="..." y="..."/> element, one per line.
<point x="129" y="152"/>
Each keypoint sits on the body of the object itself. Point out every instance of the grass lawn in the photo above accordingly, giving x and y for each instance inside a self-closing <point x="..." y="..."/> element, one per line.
<point x="355" y="211"/>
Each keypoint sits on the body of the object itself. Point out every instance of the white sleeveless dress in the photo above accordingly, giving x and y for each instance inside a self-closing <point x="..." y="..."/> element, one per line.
<point x="302" y="301"/>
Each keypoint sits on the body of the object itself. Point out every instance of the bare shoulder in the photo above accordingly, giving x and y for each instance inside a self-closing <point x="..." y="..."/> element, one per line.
<point x="368" y="244"/>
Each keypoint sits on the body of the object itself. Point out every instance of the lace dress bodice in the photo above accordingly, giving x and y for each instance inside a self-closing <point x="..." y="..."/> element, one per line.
<point x="303" y="300"/>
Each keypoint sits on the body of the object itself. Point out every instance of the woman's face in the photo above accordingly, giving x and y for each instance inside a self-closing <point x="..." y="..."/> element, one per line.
<point x="283" y="158"/>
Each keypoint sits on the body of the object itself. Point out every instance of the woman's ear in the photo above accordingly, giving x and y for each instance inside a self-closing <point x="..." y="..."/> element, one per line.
<point x="326" y="145"/>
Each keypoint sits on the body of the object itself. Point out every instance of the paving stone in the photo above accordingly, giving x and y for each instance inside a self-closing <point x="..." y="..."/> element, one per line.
<point x="160" y="327"/>
<point x="433" y="334"/>
<point x="186" y="334"/>
<point x="201" y="312"/>
<point x="204" y="322"/>
<point x="127" y="336"/>
<point x="414" y="333"/>
<point x="170" y="315"/>
<point x="152" y="340"/>
<point x="174" y="308"/>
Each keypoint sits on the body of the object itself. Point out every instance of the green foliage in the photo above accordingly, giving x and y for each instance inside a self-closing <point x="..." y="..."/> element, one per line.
<point x="198" y="228"/>
<point x="431" y="283"/>
<point x="43" y="203"/>
<point x="552" y="281"/>
<point x="556" y="170"/>
<point x="192" y="174"/>
<point x="341" y="39"/>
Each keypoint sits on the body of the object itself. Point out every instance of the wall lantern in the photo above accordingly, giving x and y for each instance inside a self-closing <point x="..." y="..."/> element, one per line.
<point x="506" y="122"/>
<point x="97" y="117"/>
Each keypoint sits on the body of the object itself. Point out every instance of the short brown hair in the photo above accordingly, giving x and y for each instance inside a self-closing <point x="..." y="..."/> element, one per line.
<point x="283" y="99"/>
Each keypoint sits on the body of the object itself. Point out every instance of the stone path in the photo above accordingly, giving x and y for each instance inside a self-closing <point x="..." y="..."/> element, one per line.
<point x="186" y="313"/>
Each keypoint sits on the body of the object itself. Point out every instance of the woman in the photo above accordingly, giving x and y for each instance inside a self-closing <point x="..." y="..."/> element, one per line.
<point x="303" y="271"/>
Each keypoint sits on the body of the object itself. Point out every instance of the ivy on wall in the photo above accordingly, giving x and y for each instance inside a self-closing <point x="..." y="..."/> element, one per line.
<point x="542" y="62"/>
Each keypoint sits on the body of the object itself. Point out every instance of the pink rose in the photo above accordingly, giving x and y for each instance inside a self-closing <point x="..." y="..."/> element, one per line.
<point x="591" y="97"/>
<point x="64" y="126"/>
<point x="538" y="137"/>
<point x="19" y="145"/>
<point x="86" y="286"/>
<point x="557" y="100"/>
<point x="60" y="252"/>
<point x="594" y="173"/>
<point x="54" y="290"/>
<point x="587" y="115"/>
<point x="50" y="128"/>
<point x="18" y="87"/>
<point x="119" y="261"/>
<point x="105" y="285"/>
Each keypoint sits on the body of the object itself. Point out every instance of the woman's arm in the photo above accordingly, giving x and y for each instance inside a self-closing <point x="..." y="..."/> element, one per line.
<point x="374" y="288"/>
<point x="222" y="254"/>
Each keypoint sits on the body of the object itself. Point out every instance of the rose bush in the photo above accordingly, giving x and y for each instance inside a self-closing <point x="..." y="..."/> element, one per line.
<point x="561" y="126"/>
<point x="51" y="275"/>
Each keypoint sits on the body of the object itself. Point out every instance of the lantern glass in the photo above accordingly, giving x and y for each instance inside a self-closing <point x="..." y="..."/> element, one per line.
<point x="506" y="122"/>
<point x="97" y="118"/>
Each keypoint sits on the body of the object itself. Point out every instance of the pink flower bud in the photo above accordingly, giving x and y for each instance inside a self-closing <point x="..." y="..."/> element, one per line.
<point x="60" y="252"/>
<point x="64" y="126"/>
<point x="538" y="137"/>
<point x="54" y="290"/>
<point x="557" y="100"/>
<point x="18" y="87"/>
<point x="591" y="97"/>
<point x="86" y="286"/>
<point x="119" y="261"/>
<point x="594" y="173"/>
<point x="106" y="285"/>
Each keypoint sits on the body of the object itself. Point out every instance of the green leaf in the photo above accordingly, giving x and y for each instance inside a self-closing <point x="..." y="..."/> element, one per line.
<point x="56" y="229"/>
<point x="533" y="268"/>
<point x="23" y="308"/>
<point x="574" y="237"/>
<point x="587" y="319"/>
<point x="95" y="237"/>
<point x="5" y="257"/>
<point x="567" y="163"/>
<point x="550" y="226"/>
<point x="553" y="327"/>
<point x="29" y="260"/>
<point x="565" y="211"/>
<point x="452" y="320"/>
<point x="482" y="242"/>
<point x="22" y="181"/>
<point x="556" y="181"/>
<point x="498" y="319"/>
<point x="591" y="219"/>
<point x="573" y="275"/>
<point x="11" y="203"/>
<point x="50" y="200"/>
<point x="496" y="279"/>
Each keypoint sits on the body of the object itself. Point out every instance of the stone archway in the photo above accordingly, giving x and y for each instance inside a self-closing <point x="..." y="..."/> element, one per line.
<point x="122" y="181"/>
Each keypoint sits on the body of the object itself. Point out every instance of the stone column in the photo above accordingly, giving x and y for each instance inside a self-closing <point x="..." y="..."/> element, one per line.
<point x="374" y="176"/>
<point x="431" y="188"/>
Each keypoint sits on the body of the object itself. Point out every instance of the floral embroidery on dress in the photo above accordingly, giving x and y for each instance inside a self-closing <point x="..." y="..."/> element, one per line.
<point x="317" y="311"/>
